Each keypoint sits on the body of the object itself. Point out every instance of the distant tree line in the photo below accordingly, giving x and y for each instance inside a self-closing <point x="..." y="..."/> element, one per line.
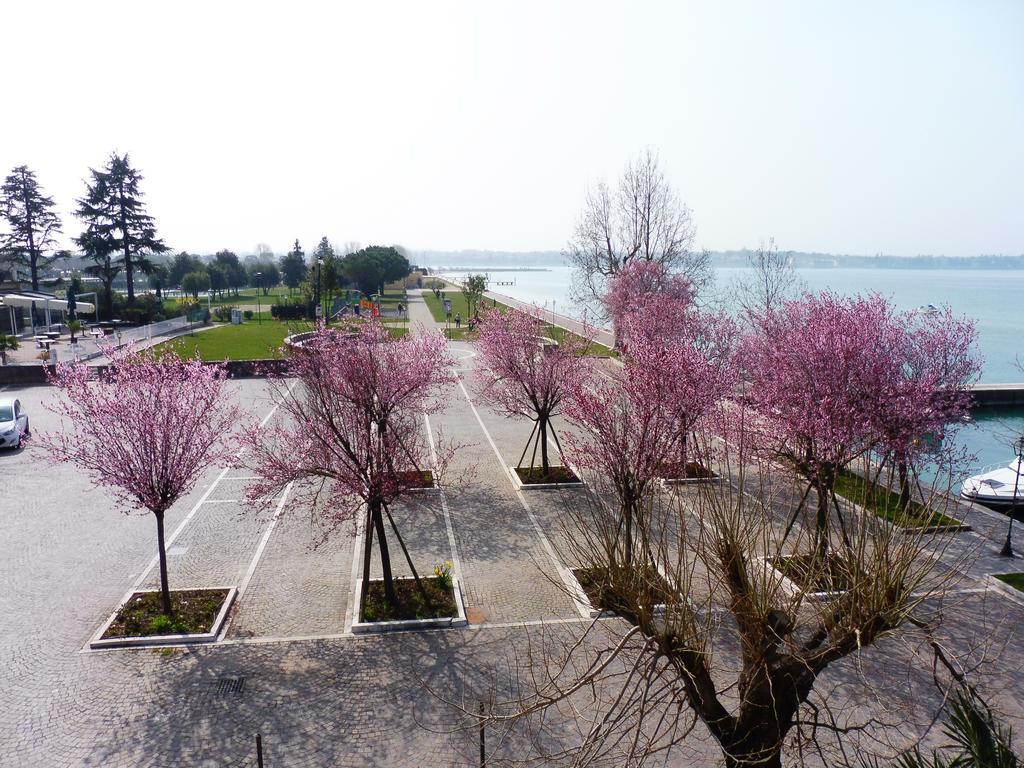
<point x="119" y="241"/>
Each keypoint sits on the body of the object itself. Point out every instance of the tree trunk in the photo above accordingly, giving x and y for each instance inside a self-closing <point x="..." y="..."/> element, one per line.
<point x="821" y="523"/>
<point x="901" y="467"/>
<point x="165" y="589"/>
<point x="385" y="556"/>
<point x="367" y="553"/>
<point x="545" y="465"/>
<point x="627" y="520"/>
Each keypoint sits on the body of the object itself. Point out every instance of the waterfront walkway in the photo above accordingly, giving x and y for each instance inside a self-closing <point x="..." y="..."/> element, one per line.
<point x="599" y="334"/>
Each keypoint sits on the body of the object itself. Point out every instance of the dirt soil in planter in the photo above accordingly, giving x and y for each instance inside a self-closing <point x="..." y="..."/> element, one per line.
<point x="416" y="479"/>
<point x="604" y="595"/>
<point x="812" y="574"/>
<point x="411" y="604"/>
<point x="142" y="616"/>
<point x="693" y="470"/>
<point x="536" y="476"/>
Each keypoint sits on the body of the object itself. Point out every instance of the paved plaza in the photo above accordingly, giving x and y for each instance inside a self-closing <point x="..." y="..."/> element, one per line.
<point x="288" y="666"/>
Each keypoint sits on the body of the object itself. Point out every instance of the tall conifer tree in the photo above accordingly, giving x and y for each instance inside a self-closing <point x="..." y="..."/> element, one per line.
<point x="31" y="221"/>
<point x="116" y="219"/>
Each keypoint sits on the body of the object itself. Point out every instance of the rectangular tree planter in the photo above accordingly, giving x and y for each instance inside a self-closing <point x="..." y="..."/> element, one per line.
<point x="693" y="472"/>
<point x="945" y="528"/>
<point x="583" y="601"/>
<point x="794" y="589"/>
<point x="99" y="642"/>
<point x="428" y="486"/>
<point x="518" y="481"/>
<point x="360" y="627"/>
<point x="1008" y="591"/>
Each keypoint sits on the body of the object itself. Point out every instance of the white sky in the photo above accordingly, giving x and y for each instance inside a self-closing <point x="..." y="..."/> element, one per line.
<point x="842" y="127"/>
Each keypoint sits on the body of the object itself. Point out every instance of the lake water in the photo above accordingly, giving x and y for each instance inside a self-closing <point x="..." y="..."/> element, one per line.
<point x="994" y="299"/>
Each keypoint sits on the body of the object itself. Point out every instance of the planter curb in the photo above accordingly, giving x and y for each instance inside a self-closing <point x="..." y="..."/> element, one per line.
<point x="97" y="643"/>
<point x="405" y="625"/>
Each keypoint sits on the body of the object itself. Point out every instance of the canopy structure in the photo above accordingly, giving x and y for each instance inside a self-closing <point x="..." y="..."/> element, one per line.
<point x="45" y="301"/>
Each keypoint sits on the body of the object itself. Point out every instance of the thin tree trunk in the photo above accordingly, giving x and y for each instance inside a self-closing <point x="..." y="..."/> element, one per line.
<point x="165" y="589"/>
<point x="821" y="523"/>
<point x="901" y="466"/>
<point x="367" y="553"/>
<point x="545" y="465"/>
<point x="385" y="556"/>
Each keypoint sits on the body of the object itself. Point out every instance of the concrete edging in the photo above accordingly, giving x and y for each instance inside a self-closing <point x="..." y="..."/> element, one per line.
<point x="1011" y="593"/>
<point x="380" y="627"/>
<point x="518" y="484"/>
<point x="97" y="643"/>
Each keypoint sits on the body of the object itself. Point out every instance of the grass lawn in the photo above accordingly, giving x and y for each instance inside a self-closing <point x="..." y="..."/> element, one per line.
<point x="248" y="341"/>
<point x="1015" y="580"/>
<point x="459" y="305"/>
<point x="885" y="503"/>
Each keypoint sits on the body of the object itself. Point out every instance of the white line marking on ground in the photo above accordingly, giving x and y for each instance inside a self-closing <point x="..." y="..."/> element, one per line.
<point x="188" y="518"/>
<point x="568" y="579"/>
<point x="456" y="562"/>
<point x="256" y="557"/>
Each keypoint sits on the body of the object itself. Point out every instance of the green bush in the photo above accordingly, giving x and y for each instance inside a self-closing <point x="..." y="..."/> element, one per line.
<point x="223" y="313"/>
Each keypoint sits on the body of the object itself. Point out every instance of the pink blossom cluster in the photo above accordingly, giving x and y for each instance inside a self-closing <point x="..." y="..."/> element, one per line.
<point x="524" y="374"/>
<point x="146" y="428"/>
<point x="834" y="378"/>
<point x="352" y="432"/>
<point x="644" y="288"/>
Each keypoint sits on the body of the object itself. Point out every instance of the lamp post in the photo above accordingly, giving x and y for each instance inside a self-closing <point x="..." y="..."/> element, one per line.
<point x="1018" y="447"/>
<point x="318" y="312"/>
<point x="259" y="316"/>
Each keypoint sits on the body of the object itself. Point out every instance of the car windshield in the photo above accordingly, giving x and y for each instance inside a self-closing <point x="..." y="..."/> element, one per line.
<point x="6" y="413"/>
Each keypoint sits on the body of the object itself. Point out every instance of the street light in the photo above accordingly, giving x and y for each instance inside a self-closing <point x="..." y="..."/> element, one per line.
<point x="259" y="316"/>
<point x="1018" y="447"/>
<point x="318" y="312"/>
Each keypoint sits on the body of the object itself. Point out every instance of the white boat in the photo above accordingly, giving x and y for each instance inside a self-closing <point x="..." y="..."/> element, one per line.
<point x="999" y="487"/>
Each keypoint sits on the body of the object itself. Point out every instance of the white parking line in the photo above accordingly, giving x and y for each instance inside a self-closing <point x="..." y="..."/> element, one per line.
<point x="456" y="562"/>
<point x="569" y="581"/>
<point x="256" y="558"/>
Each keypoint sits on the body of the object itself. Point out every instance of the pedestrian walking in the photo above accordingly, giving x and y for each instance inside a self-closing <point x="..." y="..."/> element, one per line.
<point x="458" y="319"/>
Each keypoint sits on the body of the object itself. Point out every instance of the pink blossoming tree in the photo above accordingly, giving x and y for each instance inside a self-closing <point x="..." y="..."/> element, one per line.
<point x="684" y="360"/>
<point x="351" y="440"/>
<point x="929" y="393"/>
<point x="639" y="290"/>
<point x="525" y="377"/>
<point x="146" y="429"/>
<point x="834" y="379"/>
<point x="625" y="437"/>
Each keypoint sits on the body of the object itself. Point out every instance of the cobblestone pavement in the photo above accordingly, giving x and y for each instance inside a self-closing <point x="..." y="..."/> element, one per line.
<point x="287" y="668"/>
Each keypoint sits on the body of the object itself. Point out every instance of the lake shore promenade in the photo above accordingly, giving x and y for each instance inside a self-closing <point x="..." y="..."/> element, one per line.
<point x="601" y="335"/>
<point x="288" y="666"/>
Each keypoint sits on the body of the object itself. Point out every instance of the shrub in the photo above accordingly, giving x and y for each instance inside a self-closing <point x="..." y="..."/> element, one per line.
<point x="287" y="311"/>
<point x="247" y="314"/>
<point x="223" y="313"/>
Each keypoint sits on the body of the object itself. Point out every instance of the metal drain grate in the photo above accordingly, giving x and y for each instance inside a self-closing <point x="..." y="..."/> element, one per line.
<point x="230" y="686"/>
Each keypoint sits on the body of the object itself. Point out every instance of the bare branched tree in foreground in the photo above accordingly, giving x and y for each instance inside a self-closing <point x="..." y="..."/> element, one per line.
<point x="642" y="219"/>
<point x="719" y="647"/>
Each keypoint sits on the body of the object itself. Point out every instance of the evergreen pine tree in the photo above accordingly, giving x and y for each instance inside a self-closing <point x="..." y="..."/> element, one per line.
<point x="116" y="220"/>
<point x="31" y="221"/>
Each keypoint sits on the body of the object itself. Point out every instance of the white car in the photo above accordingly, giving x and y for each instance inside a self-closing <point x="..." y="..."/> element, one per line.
<point x="13" y="423"/>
